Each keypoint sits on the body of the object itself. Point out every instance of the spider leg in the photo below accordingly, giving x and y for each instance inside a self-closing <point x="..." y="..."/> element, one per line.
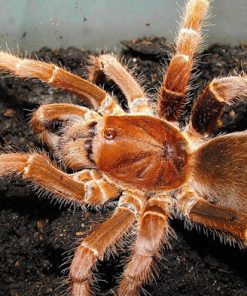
<point x="75" y="145"/>
<point x="153" y="231"/>
<point x="103" y="237"/>
<point x="45" y="115"/>
<point x="213" y="216"/>
<point x="97" y="189"/>
<point x="209" y="105"/>
<point x="175" y="84"/>
<point x="38" y="169"/>
<point x="57" y="77"/>
<point x="113" y="69"/>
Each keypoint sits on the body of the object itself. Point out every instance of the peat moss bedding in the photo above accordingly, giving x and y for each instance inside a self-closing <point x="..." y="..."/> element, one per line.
<point x="35" y="233"/>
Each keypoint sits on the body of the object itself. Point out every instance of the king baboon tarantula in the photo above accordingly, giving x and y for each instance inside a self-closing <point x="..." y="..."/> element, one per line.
<point x="139" y="156"/>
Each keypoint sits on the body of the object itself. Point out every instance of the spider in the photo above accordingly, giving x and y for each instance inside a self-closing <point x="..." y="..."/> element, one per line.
<point x="141" y="157"/>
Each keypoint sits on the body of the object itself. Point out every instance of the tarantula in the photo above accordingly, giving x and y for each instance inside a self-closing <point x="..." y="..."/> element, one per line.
<point x="140" y="156"/>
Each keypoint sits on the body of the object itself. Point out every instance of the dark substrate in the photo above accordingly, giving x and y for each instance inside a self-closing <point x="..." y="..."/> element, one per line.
<point x="35" y="233"/>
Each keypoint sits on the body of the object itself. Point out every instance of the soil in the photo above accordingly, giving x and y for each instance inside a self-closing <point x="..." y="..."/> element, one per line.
<point x="35" y="234"/>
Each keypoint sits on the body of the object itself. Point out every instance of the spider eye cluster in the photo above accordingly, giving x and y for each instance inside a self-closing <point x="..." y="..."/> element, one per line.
<point x="110" y="133"/>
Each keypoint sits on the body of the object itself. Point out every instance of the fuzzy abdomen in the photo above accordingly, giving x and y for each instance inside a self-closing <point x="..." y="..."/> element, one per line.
<point x="219" y="171"/>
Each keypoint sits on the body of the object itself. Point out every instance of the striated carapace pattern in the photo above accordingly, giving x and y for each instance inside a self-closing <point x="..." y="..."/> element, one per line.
<point x="144" y="152"/>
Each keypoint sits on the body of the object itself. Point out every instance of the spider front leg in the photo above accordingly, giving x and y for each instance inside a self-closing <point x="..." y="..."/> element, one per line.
<point x="45" y="115"/>
<point x="103" y="237"/>
<point x="80" y="188"/>
<point x="59" y="78"/>
<point x="175" y="84"/>
<point x="153" y="231"/>
<point x="209" y="105"/>
<point x="213" y="216"/>
<point x="53" y="75"/>
<point x="112" y="68"/>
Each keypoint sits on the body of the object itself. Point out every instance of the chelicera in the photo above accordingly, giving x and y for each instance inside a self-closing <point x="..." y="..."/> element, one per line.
<point x="141" y="157"/>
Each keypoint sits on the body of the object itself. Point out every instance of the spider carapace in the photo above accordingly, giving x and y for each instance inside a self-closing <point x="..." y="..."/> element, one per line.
<point x="138" y="156"/>
<point x="141" y="151"/>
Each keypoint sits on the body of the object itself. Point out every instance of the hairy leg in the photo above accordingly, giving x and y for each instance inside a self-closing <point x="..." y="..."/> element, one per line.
<point x="53" y="75"/>
<point x="45" y="115"/>
<point x="103" y="237"/>
<point x="114" y="70"/>
<point x="213" y="216"/>
<point x="175" y="84"/>
<point x="97" y="189"/>
<point x="38" y="169"/>
<point x="75" y="145"/>
<point x="153" y="231"/>
<point x="209" y="105"/>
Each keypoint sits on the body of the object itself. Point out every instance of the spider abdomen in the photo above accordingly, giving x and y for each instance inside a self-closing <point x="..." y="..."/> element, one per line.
<point x="141" y="151"/>
<point x="219" y="171"/>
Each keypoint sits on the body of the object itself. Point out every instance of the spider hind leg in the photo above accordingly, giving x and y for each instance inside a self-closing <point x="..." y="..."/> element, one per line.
<point x="215" y="218"/>
<point x="209" y="105"/>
